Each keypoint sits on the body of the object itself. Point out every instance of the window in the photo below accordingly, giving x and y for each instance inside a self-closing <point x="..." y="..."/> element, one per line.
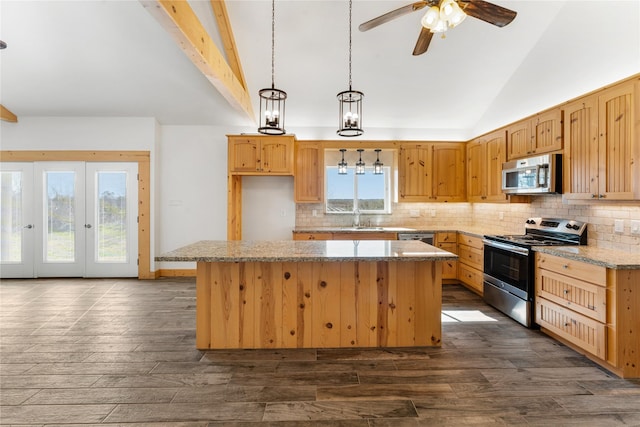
<point x="369" y="193"/>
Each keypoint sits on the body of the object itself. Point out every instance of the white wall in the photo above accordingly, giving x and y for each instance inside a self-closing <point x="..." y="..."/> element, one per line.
<point x="268" y="209"/>
<point x="192" y="182"/>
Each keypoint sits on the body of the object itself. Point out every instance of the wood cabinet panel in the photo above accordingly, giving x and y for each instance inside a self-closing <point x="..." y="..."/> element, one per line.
<point x="312" y="236"/>
<point x="471" y="262"/>
<point x="602" y="131"/>
<point x="471" y="277"/>
<point x="472" y="241"/>
<point x="261" y="155"/>
<point x="539" y="134"/>
<point x="580" y="330"/>
<point x="318" y="305"/>
<point x="432" y="172"/>
<point x="309" y="173"/>
<point x="576" y="269"/>
<point x="485" y="157"/>
<point x="582" y="297"/>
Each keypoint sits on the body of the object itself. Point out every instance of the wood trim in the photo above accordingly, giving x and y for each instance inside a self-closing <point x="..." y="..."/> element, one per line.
<point x="174" y="272"/>
<point x="7" y="115"/>
<point x="234" y="207"/>
<point x="144" y="187"/>
<point x="228" y="41"/>
<point x="181" y="22"/>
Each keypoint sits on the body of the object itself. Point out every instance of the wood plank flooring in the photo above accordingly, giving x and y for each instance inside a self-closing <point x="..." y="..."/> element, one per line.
<point x="100" y="352"/>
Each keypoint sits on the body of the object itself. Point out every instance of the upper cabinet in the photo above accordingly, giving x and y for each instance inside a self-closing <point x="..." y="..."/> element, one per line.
<point x="601" y="150"/>
<point x="539" y="134"/>
<point x="432" y="172"/>
<point x="485" y="156"/>
<point x="261" y="155"/>
<point x="309" y="172"/>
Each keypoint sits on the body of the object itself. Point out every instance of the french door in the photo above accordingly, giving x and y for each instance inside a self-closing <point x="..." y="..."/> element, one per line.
<point x="83" y="222"/>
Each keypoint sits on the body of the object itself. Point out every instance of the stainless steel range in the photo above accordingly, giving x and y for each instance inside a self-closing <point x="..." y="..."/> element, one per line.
<point x="509" y="264"/>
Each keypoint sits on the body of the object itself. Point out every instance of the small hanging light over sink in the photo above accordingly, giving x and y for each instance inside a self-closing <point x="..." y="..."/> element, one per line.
<point x="342" y="165"/>
<point x="360" y="163"/>
<point x="377" y="165"/>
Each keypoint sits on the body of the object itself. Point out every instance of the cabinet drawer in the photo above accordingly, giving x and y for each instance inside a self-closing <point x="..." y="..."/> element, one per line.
<point x="446" y="237"/>
<point x="471" y="256"/>
<point x="474" y="242"/>
<point x="470" y="276"/>
<point x="585" y="298"/>
<point x="312" y="236"/>
<point x="580" y="270"/>
<point x="450" y="269"/>
<point x="580" y="330"/>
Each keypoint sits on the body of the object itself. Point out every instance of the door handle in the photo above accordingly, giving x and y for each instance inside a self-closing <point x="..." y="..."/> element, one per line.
<point x="87" y="226"/>
<point x="28" y="226"/>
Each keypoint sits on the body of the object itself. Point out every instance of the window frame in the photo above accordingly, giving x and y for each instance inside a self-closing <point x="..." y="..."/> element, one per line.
<point x="387" y="174"/>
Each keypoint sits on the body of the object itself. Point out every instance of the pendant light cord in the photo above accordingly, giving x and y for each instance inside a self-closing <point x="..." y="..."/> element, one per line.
<point x="350" y="3"/>
<point x="273" y="41"/>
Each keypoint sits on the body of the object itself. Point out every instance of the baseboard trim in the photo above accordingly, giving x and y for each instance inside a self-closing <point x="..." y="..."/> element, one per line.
<point x="174" y="272"/>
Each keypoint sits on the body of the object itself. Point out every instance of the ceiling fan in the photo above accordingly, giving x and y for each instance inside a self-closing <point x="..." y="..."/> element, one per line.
<point x="443" y="14"/>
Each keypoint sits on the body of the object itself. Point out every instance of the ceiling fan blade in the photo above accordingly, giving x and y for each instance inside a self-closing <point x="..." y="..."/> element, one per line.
<point x="423" y="41"/>
<point x="389" y="16"/>
<point x="488" y="12"/>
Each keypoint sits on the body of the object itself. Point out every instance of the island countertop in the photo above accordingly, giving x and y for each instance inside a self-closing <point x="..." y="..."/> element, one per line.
<point x="307" y="251"/>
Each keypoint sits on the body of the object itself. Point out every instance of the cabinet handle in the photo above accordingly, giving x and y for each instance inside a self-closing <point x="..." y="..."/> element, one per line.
<point x="565" y="266"/>
<point x="566" y="291"/>
<point x="593" y="196"/>
<point x="29" y="226"/>
<point x="601" y="196"/>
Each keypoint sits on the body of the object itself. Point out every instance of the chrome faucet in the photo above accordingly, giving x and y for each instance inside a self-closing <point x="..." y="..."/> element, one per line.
<point x="356" y="217"/>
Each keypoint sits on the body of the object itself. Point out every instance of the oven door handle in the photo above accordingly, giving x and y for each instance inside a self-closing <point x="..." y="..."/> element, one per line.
<point x="506" y="247"/>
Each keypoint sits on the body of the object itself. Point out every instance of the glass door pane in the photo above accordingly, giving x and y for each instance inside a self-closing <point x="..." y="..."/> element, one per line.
<point x="112" y="249"/>
<point x="60" y="186"/>
<point x="16" y="220"/>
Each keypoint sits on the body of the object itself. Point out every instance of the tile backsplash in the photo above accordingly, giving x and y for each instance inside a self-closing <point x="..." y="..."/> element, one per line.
<point x="503" y="216"/>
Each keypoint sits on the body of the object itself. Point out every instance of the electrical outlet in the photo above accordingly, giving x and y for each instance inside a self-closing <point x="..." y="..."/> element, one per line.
<point x="414" y="213"/>
<point x="314" y="212"/>
<point x="635" y="227"/>
<point x="433" y="213"/>
<point x="618" y="226"/>
<point x="283" y="212"/>
<point x="501" y="216"/>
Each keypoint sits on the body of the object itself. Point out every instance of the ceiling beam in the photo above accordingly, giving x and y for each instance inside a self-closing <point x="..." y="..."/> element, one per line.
<point x="183" y="25"/>
<point x="228" y="41"/>
<point x="7" y="115"/>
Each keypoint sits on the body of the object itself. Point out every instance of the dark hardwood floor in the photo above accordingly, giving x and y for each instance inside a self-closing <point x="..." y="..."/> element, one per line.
<point x="122" y="352"/>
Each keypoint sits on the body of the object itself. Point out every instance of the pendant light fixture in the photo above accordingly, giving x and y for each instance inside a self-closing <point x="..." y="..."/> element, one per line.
<point x="350" y="101"/>
<point x="342" y="165"/>
<point x="271" y="99"/>
<point x="377" y="165"/>
<point x="360" y="163"/>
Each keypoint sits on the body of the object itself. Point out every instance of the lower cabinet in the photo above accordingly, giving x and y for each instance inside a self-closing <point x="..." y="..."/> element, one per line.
<point x="447" y="242"/>
<point x="592" y="308"/>
<point x="471" y="262"/>
<point x="383" y="235"/>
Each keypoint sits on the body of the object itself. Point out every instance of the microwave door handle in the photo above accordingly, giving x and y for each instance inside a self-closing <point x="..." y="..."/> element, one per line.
<point x="541" y="177"/>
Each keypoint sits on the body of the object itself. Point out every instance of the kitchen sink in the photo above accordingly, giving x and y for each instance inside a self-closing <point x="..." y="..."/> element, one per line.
<point x="364" y="228"/>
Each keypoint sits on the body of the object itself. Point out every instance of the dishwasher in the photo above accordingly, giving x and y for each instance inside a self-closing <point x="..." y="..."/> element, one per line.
<point x="423" y="237"/>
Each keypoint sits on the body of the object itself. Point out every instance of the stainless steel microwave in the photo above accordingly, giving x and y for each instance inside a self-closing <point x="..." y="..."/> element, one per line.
<point x="533" y="175"/>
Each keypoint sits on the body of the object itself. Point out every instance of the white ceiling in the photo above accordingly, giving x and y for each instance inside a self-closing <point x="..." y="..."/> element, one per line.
<point x="112" y="58"/>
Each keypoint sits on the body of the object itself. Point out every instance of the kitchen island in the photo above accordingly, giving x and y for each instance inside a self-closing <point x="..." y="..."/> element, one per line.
<point x="316" y="294"/>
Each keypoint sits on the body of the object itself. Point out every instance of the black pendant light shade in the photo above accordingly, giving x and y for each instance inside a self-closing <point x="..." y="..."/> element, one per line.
<point x="377" y="166"/>
<point x="272" y="100"/>
<point x="360" y="163"/>
<point x="350" y="101"/>
<point x="342" y="165"/>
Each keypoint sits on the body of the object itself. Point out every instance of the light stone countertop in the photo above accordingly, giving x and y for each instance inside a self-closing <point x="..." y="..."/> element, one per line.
<point x="307" y="251"/>
<point x="610" y="258"/>
<point x="474" y="231"/>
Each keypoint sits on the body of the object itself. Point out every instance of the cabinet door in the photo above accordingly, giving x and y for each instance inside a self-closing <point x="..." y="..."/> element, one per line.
<point x="449" y="183"/>
<point x="476" y="182"/>
<point x="243" y="154"/>
<point x="580" y="164"/>
<point x="276" y="155"/>
<point x="519" y="140"/>
<point x="617" y="120"/>
<point x="414" y="179"/>
<point x="496" y="147"/>
<point x="309" y="173"/>
<point x="547" y="132"/>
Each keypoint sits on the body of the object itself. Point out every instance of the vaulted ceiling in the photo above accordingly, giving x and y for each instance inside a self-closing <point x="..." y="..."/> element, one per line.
<point x="114" y="58"/>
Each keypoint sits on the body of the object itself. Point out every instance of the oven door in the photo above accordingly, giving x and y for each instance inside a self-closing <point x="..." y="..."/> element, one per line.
<point x="509" y="268"/>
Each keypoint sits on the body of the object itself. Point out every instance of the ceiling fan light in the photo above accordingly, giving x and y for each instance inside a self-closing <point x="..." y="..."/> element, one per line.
<point x="457" y="16"/>
<point x="430" y="19"/>
<point x="446" y="9"/>
<point x="441" y="27"/>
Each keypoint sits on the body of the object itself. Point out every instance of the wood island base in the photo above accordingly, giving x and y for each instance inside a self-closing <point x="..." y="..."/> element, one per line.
<point x="255" y="305"/>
